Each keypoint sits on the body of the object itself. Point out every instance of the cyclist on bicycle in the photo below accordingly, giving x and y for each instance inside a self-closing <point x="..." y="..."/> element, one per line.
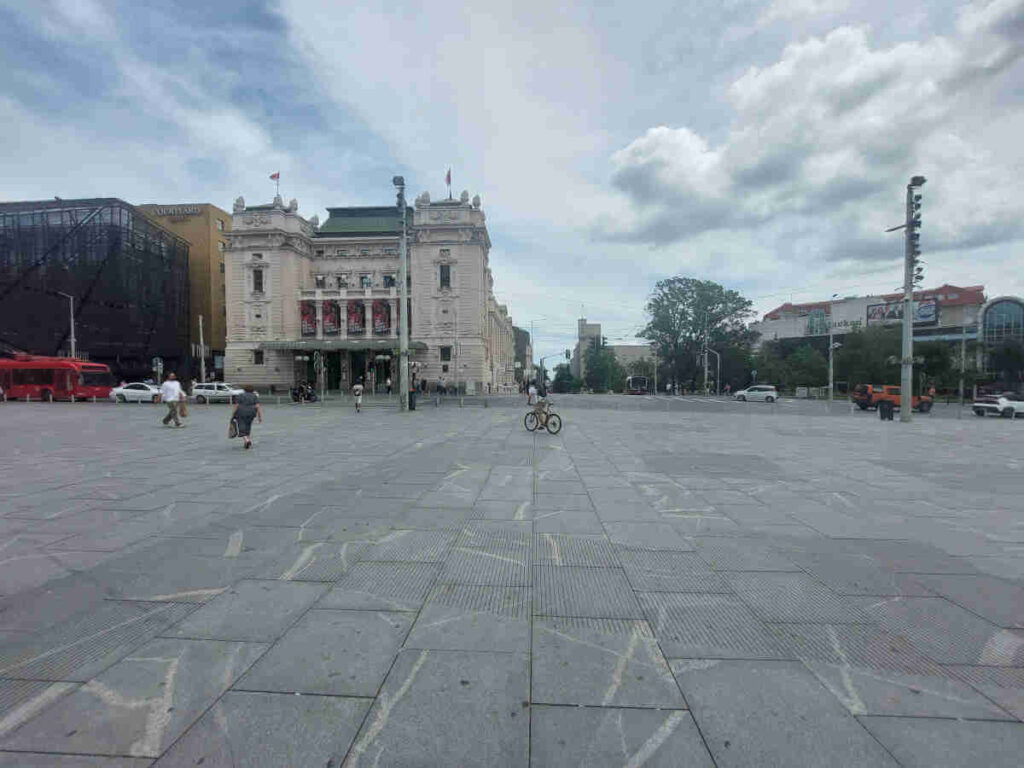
<point x="540" y="404"/>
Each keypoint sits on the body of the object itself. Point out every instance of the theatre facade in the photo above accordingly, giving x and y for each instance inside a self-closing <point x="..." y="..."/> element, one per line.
<point x="304" y="296"/>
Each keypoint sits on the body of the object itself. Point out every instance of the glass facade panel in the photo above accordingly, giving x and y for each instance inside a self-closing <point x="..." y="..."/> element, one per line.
<point x="1004" y="320"/>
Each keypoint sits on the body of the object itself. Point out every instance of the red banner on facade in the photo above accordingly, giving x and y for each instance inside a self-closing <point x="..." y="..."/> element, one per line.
<point x="356" y="318"/>
<point x="381" y="317"/>
<point x="332" y="318"/>
<point x="307" y="311"/>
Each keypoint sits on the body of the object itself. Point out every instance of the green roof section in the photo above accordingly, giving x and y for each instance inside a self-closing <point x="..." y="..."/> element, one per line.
<point x="377" y="220"/>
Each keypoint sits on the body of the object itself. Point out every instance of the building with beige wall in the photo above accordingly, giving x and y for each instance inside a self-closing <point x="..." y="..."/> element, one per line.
<point x="300" y="292"/>
<point x="206" y="227"/>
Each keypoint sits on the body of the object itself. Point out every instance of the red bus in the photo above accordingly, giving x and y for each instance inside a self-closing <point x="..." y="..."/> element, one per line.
<point x="53" y="378"/>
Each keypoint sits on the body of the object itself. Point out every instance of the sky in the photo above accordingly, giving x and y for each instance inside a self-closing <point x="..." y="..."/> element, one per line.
<point x="762" y="144"/>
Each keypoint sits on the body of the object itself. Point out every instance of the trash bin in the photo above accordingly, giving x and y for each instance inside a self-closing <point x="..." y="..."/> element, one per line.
<point x="885" y="410"/>
<point x="412" y="399"/>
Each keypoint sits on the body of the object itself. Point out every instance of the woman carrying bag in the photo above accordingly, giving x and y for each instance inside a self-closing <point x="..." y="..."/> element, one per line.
<point x="247" y="408"/>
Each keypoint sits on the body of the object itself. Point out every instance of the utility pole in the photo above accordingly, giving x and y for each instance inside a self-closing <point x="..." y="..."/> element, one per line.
<point x="71" y="299"/>
<point x="911" y="272"/>
<point x="831" y="351"/>
<point x="403" y="291"/>
<point x="963" y="359"/>
<point x="705" y="354"/>
<point x="202" y="352"/>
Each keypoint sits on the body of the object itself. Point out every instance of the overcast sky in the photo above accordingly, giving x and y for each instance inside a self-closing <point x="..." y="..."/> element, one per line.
<point x="764" y="144"/>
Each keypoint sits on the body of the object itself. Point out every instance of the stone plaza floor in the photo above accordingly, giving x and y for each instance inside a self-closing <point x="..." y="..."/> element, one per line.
<point x="661" y="584"/>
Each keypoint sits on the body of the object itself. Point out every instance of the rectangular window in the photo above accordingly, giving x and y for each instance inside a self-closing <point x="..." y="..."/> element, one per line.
<point x="446" y="354"/>
<point x="221" y="246"/>
<point x="257" y="357"/>
<point x="444" y="369"/>
<point x="365" y="281"/>
<point x="222" y="267"/>
<point x="220" y="225"/>
<point x="343" y="281"/>
<point x="257" y="280"/>
<point x="320" y="253"/>
<point x="389" y="281"/>
<point x="320" y="281"/>
<point x="446" y="276"/>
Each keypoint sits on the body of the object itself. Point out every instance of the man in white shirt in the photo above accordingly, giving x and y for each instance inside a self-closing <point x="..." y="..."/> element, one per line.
<point x="170" y="393"/>
<point x="357" y="393"/>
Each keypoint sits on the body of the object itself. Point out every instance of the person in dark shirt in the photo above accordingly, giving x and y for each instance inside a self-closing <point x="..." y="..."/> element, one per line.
<point x="247" y="408"/>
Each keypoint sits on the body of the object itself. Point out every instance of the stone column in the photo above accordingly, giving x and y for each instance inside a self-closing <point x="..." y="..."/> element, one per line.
<point x="319" y="318"/>
<point x="393" y="304"/>
<point x="368" y="317"/>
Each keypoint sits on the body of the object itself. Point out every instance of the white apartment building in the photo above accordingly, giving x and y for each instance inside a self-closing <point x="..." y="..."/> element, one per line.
<point x="300" y="293"/>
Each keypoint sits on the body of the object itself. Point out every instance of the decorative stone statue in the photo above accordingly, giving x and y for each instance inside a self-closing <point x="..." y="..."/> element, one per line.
<point x="464" y="197"/>
<point x="239" y="204"/>
<point x="315" y="221"/>
<point x="476" y="201"/>
<point x="293" y="205"/>
<point x="278" y="201"/>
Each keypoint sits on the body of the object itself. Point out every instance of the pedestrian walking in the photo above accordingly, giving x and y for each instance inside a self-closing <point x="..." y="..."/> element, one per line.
<point x="357" y="393"/>
<point x="531" y="394"/>
<point x="170" y="393"/>
<point x="728" y="390"/>
<point x="247" y="408"/>
<point x="387" y="383"/>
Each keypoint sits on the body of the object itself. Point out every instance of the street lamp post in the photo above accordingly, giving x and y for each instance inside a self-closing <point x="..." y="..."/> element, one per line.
<point x="718" y="370"/>
<point x="403" y="292"/>
<point x="71" y="300"/>
<point x="831" y="350"/>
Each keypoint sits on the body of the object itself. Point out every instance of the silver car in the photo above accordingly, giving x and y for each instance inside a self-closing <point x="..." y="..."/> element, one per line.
<point x="215" y="391"/>
<point x="762" y="392"/>
<point x="135" y="392"/>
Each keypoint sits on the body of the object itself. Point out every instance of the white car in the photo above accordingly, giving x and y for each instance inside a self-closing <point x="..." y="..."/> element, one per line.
<point x="1008" y="405"/>
<point x="763" y="392"/>
<point x="212" y="391"/>
<point x="135" y="392"/>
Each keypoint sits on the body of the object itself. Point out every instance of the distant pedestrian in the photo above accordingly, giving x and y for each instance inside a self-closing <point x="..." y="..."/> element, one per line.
<point x="728" y="390"/>
<point x="357" y="393"/>
<point x="531" y="394"/>
<point x="247" y="408"/>
<point x="170" y="393"/>
<point x="387" y="383"/>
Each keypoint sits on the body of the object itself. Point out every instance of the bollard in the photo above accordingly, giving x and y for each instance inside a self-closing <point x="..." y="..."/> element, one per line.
<point x="72" y="397"/>
<point x="437" y="401"/>
<point x="28" y="399"/>
<point x="460" y="401"/>
<point x="278" y="399"/>
<point x="94" y="398"/>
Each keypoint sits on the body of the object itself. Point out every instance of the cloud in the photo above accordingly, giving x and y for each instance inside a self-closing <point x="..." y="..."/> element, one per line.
<point x="829" y="131"/>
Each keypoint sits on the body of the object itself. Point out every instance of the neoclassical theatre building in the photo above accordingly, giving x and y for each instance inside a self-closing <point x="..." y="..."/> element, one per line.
<point x="299" y="292"/>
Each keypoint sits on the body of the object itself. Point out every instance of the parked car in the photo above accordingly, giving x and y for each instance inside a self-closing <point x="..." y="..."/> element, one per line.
<point x="135" y="392"/>
<point x="213" y="391"/>
<point x="870" y="395"/>
<point x="1007" y="405"/>
<point x="764" y="392"/>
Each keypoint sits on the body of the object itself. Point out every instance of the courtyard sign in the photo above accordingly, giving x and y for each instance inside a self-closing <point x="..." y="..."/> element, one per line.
<point x="177" y="210"/>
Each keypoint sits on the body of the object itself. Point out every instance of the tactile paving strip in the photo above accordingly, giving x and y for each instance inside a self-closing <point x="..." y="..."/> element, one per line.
<point x="398" y="581"/>
<point x="331" y="561"/>
<point x="570" y="624"/>
<point x="586" y="592"/>
<point x="1004" y="685"/>
<point x="856" y="575"/>
<point x="858" y="645"/>
<point x="708" y="627"/>
<point x="650" y="570"/>
<point x="795" y="597"/>
<point x="948" y="633"/>
<point x="739" y="554"/>
<point x="502" y="568"/>
<point x="511" y="602"/>
<point x="567" y="549"/>
<point x="84" y="646"/>
<point x="412" y="546"/>
<point x="14" y="693"/>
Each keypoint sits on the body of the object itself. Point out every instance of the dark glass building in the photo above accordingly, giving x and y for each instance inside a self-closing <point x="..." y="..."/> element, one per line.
<point x="128" y="277"/>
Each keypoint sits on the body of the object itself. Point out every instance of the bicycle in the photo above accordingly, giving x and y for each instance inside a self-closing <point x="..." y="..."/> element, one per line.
<point x="543" y="418"/>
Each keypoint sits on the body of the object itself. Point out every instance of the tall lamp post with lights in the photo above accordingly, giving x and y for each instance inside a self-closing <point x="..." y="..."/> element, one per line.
<point x="403" y="292"/>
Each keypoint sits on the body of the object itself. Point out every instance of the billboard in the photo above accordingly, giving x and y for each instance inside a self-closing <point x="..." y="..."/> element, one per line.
<point x="356" y="318"/>
<point x="307" y="312"/>
<point x="926" y="312"/>
<point x="332" y="318"/>
<point x="381" y="317"/>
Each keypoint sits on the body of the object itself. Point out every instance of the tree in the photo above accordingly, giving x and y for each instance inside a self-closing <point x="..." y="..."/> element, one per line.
<point x="807" y="367"/>
<point x="682" y="310"/>
<point x="564" y="381"/>
<point x="601" y="370"/>
<point x="870" y="356"/>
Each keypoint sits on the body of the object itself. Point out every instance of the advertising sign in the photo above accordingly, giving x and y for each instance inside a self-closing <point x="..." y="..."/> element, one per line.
<point x="307" y="312"/>
<point x="381" y="317"/>
<point x="356" y="318"/>
<point x="926" y="312"/>
<point x="332" y="318"/>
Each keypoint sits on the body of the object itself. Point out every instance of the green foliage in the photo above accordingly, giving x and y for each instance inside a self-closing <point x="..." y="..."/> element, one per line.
<point x="601" y="370"/>
<point x="564" y="381"/>
<point x="870" y="356"/>
<point x="679" y="310"/>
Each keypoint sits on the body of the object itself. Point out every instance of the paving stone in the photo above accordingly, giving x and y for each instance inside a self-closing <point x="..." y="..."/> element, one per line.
<point x="668" y="571"/>
<point x="584" y="592"/>
<point x="140" y="705"/>
<point x="873" y="672"/>
<point x="182" y="579"/>
<point x="563" y="501"/>
<point x="21" y="700"/>
<point x="795" y="597"/>
<point x="915" y="557"/>
<point x="737" y="554"/>
<point x="647" y="536"/>
<point x="315" y="561"/>
<point x="43" y="760"/>
<point x="607" y="737"/>
<point x="949" y="634"/>
<point x="600" y="662"/>
<point x="925" y="743"/>
<point x="999" y="601"/>
<point x="1003" y="685"/>
<point x="271" y="730"/>
<point x="84" y="645"/>
<point x="473" y="618"/>
<point x="573" y="549"/>
<point x="759" y="713"/>
<point x="383" y="587"/>
<point x="484" y="719"/>
<point x="567" y="522"/>
<point x="492" y="509"/>
<point x="253" y="611"/>
<point x="854" y="574"/>
<point x="412" y="546"/>
<point x="338" y="653"/>
<point x="700" y="524"/>
<point x="708" y="627"/>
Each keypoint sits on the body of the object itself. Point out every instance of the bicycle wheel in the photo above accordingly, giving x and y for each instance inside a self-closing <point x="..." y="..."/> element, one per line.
<point x="554" y="423"/>
<point x="530" y="421"/>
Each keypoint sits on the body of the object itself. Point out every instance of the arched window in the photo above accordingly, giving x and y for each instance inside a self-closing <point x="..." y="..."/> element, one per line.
<point x="1004" y="320"/>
